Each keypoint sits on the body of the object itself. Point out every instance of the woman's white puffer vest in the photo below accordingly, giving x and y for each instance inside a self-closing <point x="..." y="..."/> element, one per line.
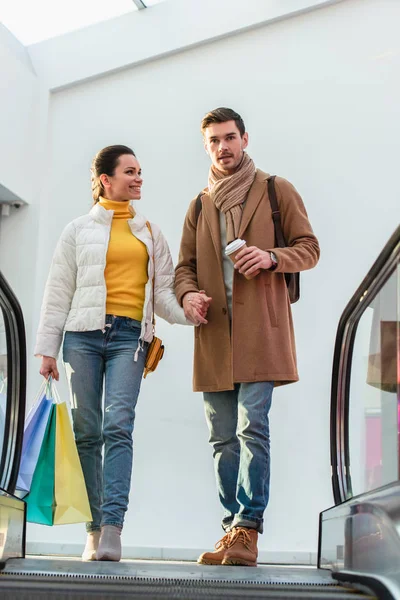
<point x="75" y="293"/>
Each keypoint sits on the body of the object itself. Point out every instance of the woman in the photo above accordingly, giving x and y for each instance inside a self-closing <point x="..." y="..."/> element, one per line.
<point x="100" y="292"/>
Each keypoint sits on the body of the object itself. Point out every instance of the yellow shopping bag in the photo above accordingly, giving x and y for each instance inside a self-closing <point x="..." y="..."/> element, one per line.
<point x="70" y="495"/>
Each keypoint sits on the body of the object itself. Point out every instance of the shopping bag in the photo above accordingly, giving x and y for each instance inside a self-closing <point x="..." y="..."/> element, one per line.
<point x="34" y="431"/>
<point x="40" y="500"/>
<point x="58" y="492"/>
<point x="70" y="495"/>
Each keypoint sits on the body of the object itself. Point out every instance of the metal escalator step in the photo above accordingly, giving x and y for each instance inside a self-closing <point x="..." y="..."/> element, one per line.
<point x="58" y="587"/>
<point x="167" y="570"/>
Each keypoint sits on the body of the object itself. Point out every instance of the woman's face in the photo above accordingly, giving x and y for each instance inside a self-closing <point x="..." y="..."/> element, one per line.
<point x="126" y="183"/>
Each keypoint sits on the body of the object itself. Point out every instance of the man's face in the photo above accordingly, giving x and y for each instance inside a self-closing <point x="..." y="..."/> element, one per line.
<point x="225" y="146"/>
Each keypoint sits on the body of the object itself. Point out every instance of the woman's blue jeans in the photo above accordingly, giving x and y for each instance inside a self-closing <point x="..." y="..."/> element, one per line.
<point x="94" y="359"/>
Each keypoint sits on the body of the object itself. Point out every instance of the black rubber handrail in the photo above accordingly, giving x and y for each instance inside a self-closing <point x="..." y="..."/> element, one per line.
<point x="341" y="372"/>
<point x="16" y="387"/>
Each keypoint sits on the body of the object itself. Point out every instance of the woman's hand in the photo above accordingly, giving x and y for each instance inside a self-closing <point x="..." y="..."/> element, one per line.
<point x="48" y="368"/>
<point x="195" y="305"/>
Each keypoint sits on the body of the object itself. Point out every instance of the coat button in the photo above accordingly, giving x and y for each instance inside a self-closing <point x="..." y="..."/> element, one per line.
<point x="224" y="311"/>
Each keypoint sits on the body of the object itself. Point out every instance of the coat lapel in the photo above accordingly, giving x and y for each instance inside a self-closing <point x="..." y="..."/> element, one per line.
<point x="255" y="195"/>
<point x="211" y="215"/>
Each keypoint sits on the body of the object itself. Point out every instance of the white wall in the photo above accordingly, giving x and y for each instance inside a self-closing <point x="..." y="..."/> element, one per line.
<point x="18" y="92"/>
<point x="319" y="94"/>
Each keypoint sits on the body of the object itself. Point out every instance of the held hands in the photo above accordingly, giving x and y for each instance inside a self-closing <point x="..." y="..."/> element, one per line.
<point x="195" y="305"/>
<point x="49" y="368"/>
<point x="251" y="259"/>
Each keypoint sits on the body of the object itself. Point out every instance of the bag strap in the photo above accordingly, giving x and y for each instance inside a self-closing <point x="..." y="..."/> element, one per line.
<point x="198" y="207"/>
<point x="276" y="215"/>
<point x="51" y="391"/>
<point x="154" y="276"/>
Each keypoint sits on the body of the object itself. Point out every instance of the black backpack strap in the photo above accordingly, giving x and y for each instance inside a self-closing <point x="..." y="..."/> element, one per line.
<point x="198" y="207"/>
<point x="276" y="215"/>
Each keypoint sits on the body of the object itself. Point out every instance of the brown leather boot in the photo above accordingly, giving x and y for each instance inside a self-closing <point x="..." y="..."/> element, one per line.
<point x="242" y="548"/>
<point x="216" y="557"/>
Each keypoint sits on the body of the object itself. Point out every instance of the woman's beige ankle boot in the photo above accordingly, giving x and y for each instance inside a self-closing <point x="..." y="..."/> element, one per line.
<point x="110" y="543"/>
<point x="92" y="543"/>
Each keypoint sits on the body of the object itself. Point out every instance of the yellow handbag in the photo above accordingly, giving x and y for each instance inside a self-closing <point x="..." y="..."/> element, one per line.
<point x="155" y="351"/>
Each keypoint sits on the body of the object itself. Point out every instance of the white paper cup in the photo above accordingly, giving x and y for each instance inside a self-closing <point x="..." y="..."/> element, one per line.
<point x="233" y="249"/>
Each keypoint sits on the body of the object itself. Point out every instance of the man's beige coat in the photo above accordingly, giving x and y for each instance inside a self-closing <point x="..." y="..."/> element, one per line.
<point x="260" y="345"/>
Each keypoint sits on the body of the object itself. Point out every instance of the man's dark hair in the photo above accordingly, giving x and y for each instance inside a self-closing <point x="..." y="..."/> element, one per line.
<point x="222" y="115"/>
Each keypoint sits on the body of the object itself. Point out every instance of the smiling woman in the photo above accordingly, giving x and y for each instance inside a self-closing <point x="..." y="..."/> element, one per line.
<point x="109" y="268"/>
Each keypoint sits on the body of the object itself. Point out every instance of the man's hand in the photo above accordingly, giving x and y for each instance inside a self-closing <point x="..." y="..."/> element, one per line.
<point x="195" y="305"/>
<point x="252" y="259"/>
<point x="49" y="368"/>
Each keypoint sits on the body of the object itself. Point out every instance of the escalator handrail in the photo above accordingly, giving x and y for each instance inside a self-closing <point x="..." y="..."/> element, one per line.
<point x="341" y="371"/>
<point x="10" y="454"/>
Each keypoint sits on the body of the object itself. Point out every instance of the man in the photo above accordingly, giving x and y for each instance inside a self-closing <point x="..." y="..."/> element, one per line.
<point x="246" y="345"/>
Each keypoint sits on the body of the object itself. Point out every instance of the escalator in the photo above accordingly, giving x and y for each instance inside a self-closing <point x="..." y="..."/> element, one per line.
<point x="359" y="537"/>
<point x="12" y="415"/>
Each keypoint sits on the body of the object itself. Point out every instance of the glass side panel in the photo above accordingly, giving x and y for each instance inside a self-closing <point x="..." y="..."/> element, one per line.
<point x="374" y="392"/>
<point x="3" y="380"/>
<point x="12" y="527"/>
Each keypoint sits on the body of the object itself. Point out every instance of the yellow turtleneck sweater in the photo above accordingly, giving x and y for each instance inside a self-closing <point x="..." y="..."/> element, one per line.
<point x="126" y="265"/>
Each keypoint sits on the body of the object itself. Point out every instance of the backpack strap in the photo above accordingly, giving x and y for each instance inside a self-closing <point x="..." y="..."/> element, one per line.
<point x="198" y="207"/>
<point x="292" y="279"/>
<point x="276" y="215"/>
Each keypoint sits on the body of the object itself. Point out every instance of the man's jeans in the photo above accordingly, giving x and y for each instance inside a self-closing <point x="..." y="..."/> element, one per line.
<point x="239" y="433"/>
<point x="91" y="357"/>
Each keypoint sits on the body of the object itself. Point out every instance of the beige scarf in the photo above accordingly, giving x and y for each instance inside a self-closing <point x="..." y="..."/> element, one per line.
<point x="228" y="192"/>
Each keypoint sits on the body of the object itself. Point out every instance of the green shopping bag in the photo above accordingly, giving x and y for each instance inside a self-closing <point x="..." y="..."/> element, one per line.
<point x="40" y="500"/>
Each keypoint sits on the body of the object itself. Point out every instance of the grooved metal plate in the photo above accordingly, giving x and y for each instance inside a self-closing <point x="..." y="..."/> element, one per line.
<point x="65" y="579"/>
<point x="160" y="570"/>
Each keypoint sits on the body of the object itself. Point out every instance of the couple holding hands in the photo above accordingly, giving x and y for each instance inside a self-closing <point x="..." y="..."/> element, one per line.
<point x="111" y="269"/>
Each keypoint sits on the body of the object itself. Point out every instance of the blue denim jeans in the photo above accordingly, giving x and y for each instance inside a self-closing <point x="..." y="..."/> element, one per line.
<point x="239" y="434"/>
<point x="92" y="358"/>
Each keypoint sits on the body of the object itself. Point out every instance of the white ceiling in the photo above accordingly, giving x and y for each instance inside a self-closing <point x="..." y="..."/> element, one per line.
<point x="170" y="28"/>
<point x="33" y="21"/>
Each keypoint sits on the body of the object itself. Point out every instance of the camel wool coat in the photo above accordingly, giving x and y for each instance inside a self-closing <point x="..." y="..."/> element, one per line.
<point x="259" y="344"/>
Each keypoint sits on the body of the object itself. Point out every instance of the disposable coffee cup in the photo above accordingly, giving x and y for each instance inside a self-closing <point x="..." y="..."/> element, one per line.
<point x="233" y="249"/>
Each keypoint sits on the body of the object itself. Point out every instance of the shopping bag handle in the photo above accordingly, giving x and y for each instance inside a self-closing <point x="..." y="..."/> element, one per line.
<point x="51" y="391"/>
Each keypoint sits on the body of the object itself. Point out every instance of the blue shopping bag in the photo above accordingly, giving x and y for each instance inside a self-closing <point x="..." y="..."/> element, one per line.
<point x="35" y="428"/>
